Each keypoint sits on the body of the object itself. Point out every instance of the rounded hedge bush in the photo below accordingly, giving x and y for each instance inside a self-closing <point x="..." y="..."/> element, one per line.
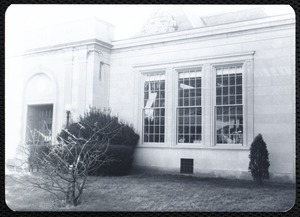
<point x="121" y="137"/>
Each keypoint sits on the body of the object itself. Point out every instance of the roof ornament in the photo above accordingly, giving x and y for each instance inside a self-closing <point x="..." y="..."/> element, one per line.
<point x="159" y="22"/>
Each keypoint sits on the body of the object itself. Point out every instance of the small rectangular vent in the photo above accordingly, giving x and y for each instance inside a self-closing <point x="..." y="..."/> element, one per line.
<point x="186" y="166"/>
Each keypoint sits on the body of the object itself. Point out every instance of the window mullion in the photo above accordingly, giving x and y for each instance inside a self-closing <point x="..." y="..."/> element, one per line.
<point x="170" y="113"/>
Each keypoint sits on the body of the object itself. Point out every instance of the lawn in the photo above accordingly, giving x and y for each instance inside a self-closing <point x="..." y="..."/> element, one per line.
<point x="157" y="192"/>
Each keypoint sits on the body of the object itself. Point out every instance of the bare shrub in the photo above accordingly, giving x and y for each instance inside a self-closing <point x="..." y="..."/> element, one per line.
<point x="63" y="166"/>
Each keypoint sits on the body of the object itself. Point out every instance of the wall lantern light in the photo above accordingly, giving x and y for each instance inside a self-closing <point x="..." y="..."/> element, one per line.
<point x="68" y="109"/>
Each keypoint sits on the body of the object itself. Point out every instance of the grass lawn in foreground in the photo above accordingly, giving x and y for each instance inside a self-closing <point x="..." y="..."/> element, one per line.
<point x="157" y="192"/>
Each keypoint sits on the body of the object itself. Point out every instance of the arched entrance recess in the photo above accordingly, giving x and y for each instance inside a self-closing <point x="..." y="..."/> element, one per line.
<point x="39" y="98"/>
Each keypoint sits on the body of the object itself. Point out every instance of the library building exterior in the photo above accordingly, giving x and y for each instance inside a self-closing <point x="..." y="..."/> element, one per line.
<point x="196" y="93"/>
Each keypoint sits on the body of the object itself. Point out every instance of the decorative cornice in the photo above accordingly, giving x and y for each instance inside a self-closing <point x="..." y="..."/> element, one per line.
<point x="251" y="53"/>
<point x="97" y="51"/>
<point x="68" y="45"/>
<point x="264" y="24"/>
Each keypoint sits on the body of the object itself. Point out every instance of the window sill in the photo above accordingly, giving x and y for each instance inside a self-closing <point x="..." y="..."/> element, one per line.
<point x="189" y="146"/>
<point x="230" y="147"/>
<point x="153" y="145"/>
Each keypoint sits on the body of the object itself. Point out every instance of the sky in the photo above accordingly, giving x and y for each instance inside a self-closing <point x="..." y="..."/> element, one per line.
<point x="127" y="19"/>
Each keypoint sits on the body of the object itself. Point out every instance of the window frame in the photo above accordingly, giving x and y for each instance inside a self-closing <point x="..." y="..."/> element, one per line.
<point x="208" y="64"/>
<point x="176" y="106"/>
<point x="142" y="107"/>
<point x="214" y="104"/>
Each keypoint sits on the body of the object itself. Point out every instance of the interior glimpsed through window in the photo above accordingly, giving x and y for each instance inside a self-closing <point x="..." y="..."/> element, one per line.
<point x="189" y="127"/>
<point x="229" y="105"/>
<point x="154" y="108"/>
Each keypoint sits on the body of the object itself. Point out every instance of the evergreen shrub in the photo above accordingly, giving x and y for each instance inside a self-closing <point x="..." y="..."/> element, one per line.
<point x="122" y="139"/>
<point x="259" y="160"/>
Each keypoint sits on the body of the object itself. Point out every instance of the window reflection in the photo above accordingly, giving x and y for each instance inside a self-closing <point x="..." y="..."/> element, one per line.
<point x="229" y="108"/>
<point x="189" y="115"/>
<point x="154" y="108"/>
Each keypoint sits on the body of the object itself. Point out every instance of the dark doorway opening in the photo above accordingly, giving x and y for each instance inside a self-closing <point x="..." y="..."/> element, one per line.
<point x="39" y="123"/>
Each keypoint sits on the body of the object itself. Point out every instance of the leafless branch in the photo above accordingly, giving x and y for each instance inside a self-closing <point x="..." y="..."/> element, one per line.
<point x="64" y="165"/>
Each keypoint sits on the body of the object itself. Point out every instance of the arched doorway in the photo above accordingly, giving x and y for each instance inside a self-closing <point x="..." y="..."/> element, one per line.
<point x="39" y="100"/>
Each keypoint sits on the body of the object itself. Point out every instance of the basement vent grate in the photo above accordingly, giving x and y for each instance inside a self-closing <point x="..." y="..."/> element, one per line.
<point x="186" y="166"/>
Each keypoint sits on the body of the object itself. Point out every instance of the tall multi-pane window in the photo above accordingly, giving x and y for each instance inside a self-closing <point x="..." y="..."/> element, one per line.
<point x="154" y="108"/>
<point x="229" y="105"/>
<point x="189" y="129"/>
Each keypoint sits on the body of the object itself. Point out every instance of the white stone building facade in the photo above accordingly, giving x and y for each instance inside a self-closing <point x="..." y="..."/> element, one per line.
<point x="196" y="96"/>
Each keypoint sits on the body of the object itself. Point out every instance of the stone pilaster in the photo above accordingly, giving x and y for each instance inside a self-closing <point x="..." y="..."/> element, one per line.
<point x="92" y="67"/>
<point x="207" y="106"/>
<point x="248" y="98"/>
<point x="170" y="111"/>
<point x="137" y="112"/>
